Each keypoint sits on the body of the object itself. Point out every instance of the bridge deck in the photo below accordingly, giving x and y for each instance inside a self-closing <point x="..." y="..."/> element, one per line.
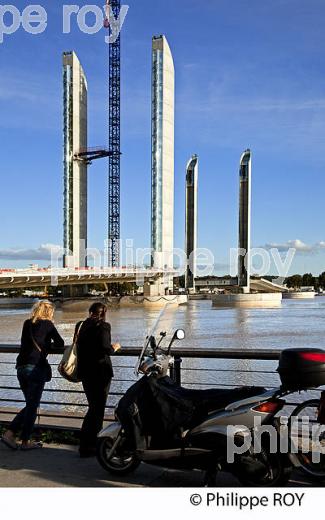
<point x="22" y="278"/>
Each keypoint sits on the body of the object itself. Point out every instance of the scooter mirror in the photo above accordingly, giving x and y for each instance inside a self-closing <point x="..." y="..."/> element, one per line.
<point x="180" y="334"/>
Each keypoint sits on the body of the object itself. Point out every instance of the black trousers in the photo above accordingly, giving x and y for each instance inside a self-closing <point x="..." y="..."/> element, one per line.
<point x="32" y="380"/>
<point x="96" y="390"/>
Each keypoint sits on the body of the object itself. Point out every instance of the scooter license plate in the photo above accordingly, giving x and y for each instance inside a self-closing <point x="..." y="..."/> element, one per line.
<point x="321" y="411"/>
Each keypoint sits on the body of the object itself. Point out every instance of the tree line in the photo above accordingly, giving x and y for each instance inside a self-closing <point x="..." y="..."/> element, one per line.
<point x="297" y="281"/>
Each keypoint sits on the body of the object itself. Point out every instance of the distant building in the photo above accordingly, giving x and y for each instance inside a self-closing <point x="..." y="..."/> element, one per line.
<point x="208" y="284"/>
<point x="162" y="174"/>
<point x="244" y="242"/>
<point x="75" y="172"/>
<point x="191" y="221"/>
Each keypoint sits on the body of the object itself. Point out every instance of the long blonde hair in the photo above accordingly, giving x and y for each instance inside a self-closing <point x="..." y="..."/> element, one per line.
<point x="42" y="310"/>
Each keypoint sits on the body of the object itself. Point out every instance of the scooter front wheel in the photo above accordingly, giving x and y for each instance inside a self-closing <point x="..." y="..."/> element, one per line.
<point x="121" y="462"/>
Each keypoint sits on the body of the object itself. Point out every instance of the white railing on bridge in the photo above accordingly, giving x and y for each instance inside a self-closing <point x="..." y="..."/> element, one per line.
<point x="84" y="271"/>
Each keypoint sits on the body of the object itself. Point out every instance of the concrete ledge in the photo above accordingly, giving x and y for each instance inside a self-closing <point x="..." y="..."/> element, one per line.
<point x="153" y="301"/>
<point x="83" y="304"/>
<point x="299" y="295"/>
<point x="267" y="300"/>
<point x="50" y="420"/>
<point x="201" y="296"/>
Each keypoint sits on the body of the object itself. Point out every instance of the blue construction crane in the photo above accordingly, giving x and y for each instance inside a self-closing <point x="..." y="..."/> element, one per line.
<point x="113" y="6"/>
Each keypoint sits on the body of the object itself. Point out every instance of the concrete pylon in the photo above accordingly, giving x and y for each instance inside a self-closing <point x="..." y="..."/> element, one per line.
<point x="244" y="242"/>
<point x="75" y="172"/>
<point x="246" y="299"/>
<point x="192" y="170"/>
<point x="162" y="169"/>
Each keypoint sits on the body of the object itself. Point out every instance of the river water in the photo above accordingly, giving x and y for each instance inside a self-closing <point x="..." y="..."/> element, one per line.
<point x="295" y="324"/>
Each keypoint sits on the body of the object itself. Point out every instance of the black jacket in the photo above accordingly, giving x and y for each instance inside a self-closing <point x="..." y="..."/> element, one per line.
<point x="46" y="337"/>
<point x="94" y="347"/>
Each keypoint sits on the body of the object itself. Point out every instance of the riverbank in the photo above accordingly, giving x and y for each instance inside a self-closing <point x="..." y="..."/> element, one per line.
<point x="17" y="303"/>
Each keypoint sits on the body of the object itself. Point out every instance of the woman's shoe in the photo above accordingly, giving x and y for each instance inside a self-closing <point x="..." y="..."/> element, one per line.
<point x="31" y="446"/>
<point x="10" y="443"/>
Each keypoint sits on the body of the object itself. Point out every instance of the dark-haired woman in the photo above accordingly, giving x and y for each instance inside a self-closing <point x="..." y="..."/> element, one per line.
<point x="94" y="347"/>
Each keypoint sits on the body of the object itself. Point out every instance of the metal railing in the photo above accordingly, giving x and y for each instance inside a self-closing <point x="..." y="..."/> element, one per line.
<point x="220" y="370"/>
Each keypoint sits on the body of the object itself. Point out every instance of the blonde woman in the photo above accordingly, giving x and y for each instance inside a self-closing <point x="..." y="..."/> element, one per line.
<point x="39" y="336"/>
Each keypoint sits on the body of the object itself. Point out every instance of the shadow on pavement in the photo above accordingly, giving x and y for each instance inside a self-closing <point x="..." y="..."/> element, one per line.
<point x="61" y="466"/>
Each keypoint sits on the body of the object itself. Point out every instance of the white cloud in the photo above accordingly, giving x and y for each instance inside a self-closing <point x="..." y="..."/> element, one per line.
<point x="41" y="253"/>
<point x="298" y="245"/>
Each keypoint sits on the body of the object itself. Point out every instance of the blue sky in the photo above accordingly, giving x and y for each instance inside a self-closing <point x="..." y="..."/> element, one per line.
<point x="249" y="73"/>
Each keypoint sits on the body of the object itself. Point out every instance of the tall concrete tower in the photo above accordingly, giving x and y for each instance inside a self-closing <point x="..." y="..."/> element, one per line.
<point x="162" y="170"/>
<point x="244" y="220"/>
<point x="75" y="171"/>
<point x="192" y="170"/>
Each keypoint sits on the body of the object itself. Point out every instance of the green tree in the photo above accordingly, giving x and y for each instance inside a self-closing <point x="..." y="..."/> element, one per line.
<point x="321" y="280"/>
<point x="294" y="282"/>
<point x="308" y="280"/>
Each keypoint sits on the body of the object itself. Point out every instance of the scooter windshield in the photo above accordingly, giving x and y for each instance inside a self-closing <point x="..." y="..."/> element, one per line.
<point x="160" y="335"/>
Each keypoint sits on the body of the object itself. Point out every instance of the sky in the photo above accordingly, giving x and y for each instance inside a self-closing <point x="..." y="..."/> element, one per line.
<point x="249" y="74"/>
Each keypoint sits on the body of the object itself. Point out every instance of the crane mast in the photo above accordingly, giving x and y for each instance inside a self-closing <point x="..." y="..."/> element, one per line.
<point x="114" y="116"/>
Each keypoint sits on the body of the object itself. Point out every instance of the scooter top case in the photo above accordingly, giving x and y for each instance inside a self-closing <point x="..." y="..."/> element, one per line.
<point x="301" y="368"/>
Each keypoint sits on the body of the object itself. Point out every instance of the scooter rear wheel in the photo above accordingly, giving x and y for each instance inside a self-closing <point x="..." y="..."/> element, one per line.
<point x="308" y="438"/>
<point x="120" y="463"/>
<point x="277" y="471"/>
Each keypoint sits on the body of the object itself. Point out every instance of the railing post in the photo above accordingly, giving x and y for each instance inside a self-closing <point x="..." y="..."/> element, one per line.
<point x="176" y="370"/>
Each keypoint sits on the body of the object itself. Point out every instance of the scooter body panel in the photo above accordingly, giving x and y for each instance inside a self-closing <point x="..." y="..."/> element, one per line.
<point x="245" y="418"/>
<point x="110" y="432"/>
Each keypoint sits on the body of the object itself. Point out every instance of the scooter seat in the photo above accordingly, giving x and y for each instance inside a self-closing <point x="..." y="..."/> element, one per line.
<point x="162" y="409"/>
<point x="216" y="399"/>
<point x="211" y="399"/>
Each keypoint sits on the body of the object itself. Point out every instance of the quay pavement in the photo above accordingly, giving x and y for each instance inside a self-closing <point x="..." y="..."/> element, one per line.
<point x="60" y="466"/>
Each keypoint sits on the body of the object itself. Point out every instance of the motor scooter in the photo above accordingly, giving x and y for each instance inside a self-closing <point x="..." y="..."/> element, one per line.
<point x="161" y="423"/>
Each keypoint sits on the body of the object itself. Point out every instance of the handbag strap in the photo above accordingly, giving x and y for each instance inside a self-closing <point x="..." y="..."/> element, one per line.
<point x="75" y="339"/>
<point x="38" y="413"/>
<point x="34" y="341"/>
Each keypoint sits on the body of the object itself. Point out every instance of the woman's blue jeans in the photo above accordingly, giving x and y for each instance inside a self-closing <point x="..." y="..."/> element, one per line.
<point x="32" y="381"/>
